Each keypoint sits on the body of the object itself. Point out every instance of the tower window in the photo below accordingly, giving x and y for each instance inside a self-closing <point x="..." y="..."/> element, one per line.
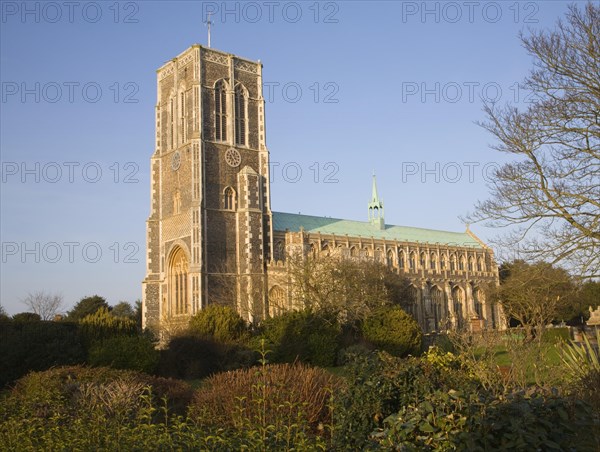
<point x="220" y="111"/>
<point x="178" y="282"/>
<point x="241" y="115"/>
<point x="229" y="199"/>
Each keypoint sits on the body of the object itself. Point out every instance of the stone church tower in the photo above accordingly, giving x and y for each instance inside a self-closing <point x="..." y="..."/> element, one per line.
<point x="209" y="233"/>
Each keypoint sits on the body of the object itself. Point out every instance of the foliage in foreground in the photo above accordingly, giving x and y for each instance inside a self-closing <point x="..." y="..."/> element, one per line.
<point x="435" y="404"/>
<point x="80" y="408"/>
<point x="582" y="366"/>
<point x="274" y="393"/>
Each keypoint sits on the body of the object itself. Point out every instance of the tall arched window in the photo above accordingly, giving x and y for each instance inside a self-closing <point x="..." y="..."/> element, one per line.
<point x="437" y="299"/>
<point x="277" y="301"/>
<point x="423" y="260"/>
<point x="458" y="299"/>
<point x="178" y="282"/>
<point x="413" y="298"/>
<point x="279" y="251"/>
<point x="220" y="111"/>
<point x="478" y="301"/>
<point x="461" y="262"/>
<point x="241" y="115"/>
<point x="353" y="252"/>
<point x="412" y="261"/>
<point x="432" y="261"/>
<point x="443" y="262"/>
<point x="229" y="199"/>
<point x="453" y="262"/>
<point x="401" y="259"/>
<point x="479" y="264"/>
<point x="470" y="264"/>
<point x="390" y="258"/>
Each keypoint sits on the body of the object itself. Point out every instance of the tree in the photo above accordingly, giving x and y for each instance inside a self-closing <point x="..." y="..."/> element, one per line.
<point x="26" y="317"/>
<point x="345" y="289"/>
<point x="3" y="314"/>
<point x="550" y="195"/>
<point x="123" y="309"/>
<point x="534" y="294"/>
<point x="87" y="306"/>
<point x="44" y="304"/>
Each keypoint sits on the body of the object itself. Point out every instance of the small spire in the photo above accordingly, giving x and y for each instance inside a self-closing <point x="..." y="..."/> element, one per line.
<point x="375" y="197"/>
<point x="376" y="207"/>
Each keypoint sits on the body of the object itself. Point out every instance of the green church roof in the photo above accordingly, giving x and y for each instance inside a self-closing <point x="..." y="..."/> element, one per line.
<point x="293" y="222"/>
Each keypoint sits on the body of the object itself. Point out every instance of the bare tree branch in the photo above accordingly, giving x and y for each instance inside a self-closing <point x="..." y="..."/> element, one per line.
<point x="551" y="194"/>
<point x="44" y="304"/>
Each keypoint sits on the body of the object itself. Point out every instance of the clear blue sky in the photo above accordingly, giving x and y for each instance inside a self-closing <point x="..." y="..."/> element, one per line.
<point x="355" y="86"/>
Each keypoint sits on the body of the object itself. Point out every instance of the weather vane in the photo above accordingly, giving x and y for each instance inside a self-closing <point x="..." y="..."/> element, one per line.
<point x="208" y="24"/>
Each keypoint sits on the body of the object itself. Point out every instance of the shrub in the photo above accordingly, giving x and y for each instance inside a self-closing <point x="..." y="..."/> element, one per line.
<point x="61" y="390"/>
<point x="221" y="323"/>
<point x="192" y="357"/>
<point x="304" y="336"/>
<point x="582" y="369"/>
<point x="268" y="395"/>
<point x="454" y="420"/>
<point x="27" y="346"/>
<point x="380" y="384"/>
<point x="102" y="325"/>
<point x="26" y="317"/>
<point x="125" y="352"/>
<point x="394" y="331"/>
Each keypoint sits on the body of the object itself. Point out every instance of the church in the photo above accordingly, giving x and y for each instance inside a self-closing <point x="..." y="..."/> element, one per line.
<point x="212" y="237"/>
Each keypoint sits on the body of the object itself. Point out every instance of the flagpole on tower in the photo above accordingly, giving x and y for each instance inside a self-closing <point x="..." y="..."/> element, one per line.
<point x="208" y="24"/>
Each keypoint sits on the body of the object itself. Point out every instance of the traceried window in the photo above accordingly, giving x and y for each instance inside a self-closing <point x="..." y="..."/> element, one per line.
<point x="400" y="259"/>
<point x="479" y="265"/>
<point x="443" y="262"/>
<point x="432" y="261"/>
<point x="423" y="260"/>
<point x="461" y="262"/>
<point x="277" y="301"/>
<point x="412" y="261"/>
<point x="178" y="282"/>
<point x="470" y="264"/>
<point x="279" y="251"/>
<point x="453" y="262"/>
<point x="241" y="115"/>
<point x="229" y="199"/>
<point x="220" y="111"/>
<point x="458" y="299"/>
<point x="353" y="252"/>
<point x="390" y="258"/>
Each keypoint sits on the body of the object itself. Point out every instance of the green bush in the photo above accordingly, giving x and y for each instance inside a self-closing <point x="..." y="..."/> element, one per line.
<point x="27" y="346"/>
<point x="394" y="331"/>
<point x="302" y="335"/>
<point x="125" y="352"/>
<point x="455" y="420"/>
<point x="222" y="323"/>
<point x="26" y="317"/>
<point x="379" y="385"/>
<point x="102" y="325"/>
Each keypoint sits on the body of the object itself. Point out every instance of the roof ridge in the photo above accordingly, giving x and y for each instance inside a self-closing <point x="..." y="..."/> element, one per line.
<point x="387" y="224"/>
